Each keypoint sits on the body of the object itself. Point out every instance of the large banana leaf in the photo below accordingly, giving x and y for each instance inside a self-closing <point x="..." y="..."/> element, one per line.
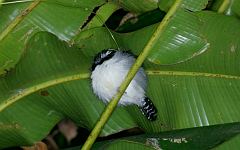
<point x="51" y="80"/>
<point x="187" y="139"/>
<point x="196" y="5"/>
<point x="217" y="69"/>
<point x="22" y="20"/>
<point x="138" y="6"/>
<point x="180" y="41"/>
<point x="200" y="91"/>
<point x="46" y="64"/>
<point x="147" y="5"/>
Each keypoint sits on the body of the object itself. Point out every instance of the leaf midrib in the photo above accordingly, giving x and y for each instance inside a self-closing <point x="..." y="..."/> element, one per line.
<point x="193" y="74"/>
<point x="18" y="19"/>
<point x="14" y="98"/>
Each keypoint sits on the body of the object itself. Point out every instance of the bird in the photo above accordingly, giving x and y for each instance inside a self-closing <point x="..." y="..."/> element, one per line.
<point x="108" y="71"/>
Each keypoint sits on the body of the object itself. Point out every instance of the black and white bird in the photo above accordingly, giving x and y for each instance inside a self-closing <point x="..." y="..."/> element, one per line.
<point x="109" y="69"/>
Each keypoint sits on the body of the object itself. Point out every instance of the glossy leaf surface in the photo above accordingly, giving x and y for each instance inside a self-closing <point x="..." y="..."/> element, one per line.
<point x="51" y="81"/>
<point x="202" y="138"/>
<point x="43" y="16"/>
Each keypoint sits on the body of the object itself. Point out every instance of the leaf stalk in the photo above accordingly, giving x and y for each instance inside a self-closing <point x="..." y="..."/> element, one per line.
<point x="18" y="19"/>
<point x="223" y="6"/>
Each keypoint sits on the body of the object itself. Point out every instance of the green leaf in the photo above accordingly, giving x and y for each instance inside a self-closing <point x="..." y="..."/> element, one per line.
<point x="48" y="84"/>
<point x="193" y="138"/>
<point x="179" y="42"/>
<point x="51" y="81"/>
<point x="197" y="92"/>
<point x="203" y="90"/>
<point x="230" y="144"/>
<point x="193" y="5"/>
<point x="138" y="6"/>
<point x="102" y="15"/>
<point x="22" y="20"/>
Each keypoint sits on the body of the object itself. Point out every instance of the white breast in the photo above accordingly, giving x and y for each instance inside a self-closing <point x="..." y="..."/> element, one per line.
<point x="107" y="77"/>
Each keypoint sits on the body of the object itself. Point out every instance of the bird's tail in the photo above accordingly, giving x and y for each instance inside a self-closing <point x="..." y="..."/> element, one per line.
<point x="148" y="109"/>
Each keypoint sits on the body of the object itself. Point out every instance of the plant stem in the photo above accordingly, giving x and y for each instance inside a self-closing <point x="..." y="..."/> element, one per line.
<point x="223" y="6"/>
<point x="18" y="19"/>
<point x="113" y="103"/>
<point x="1" y="2"/>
